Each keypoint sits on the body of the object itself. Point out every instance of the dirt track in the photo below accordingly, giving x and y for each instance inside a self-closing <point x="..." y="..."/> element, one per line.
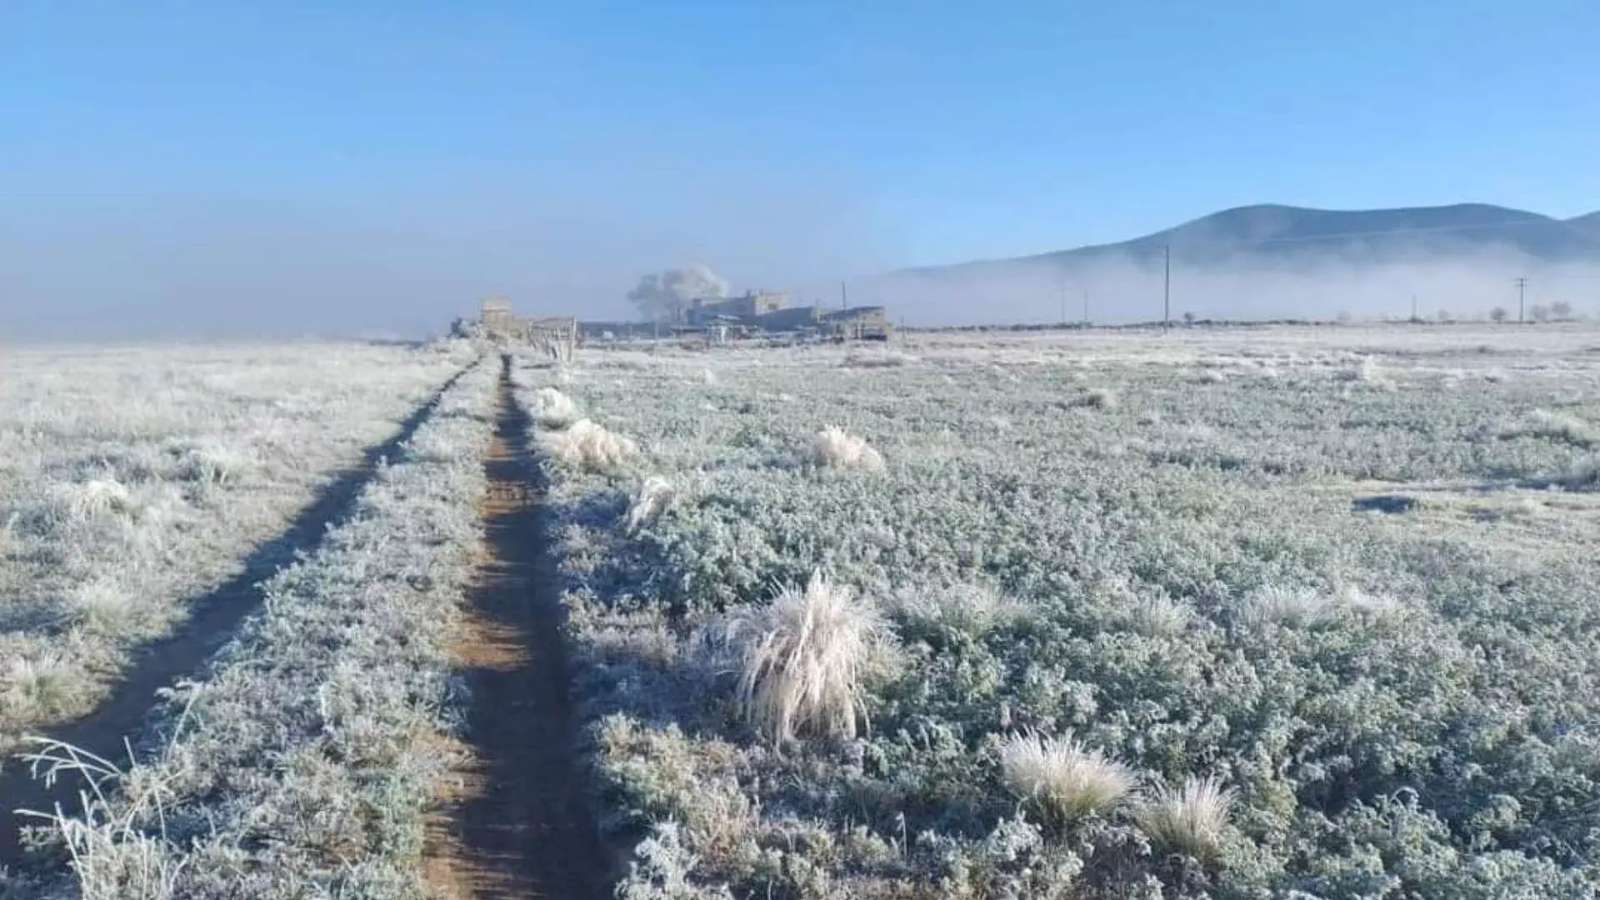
<point x="160" y="663"/>
<point x="513" y="820"/>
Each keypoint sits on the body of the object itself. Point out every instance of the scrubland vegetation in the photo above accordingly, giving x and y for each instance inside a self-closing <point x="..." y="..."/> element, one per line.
<point x="1278" y="612"/>
<point x="301" y="761"/>
<point x="133" y="480"/>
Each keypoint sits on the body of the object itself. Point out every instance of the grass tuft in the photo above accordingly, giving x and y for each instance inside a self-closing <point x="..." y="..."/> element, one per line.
<point x="588" y="446"/>
<point x="1191" y="819"/>
<point x="655" y="494"/>
<point x="553" y="409"/>
<point x="803" y="659"/>
<point x="1063" y="779"/>
<point x="835" y="448"/>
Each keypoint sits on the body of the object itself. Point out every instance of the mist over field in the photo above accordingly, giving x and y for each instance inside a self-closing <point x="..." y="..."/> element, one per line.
<point x="1126" y="290"/>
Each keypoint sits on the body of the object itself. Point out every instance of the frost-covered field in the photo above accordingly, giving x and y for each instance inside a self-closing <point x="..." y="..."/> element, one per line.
<point x="134" y="479"/>
<point x="301" y="761"/>
<point x="1237" y="613"/>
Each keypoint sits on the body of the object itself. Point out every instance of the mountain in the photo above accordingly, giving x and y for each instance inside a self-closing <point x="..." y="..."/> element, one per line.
<point x="1272" y="261"/>
<point x="1589" y="223"/>
<point x="1270" y="233"/>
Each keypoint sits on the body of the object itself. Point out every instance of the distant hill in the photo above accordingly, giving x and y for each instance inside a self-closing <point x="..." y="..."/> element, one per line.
<point x="1272" y="261"/>
<point x="1589" y="223"/>
<point x="1268" y="233"/>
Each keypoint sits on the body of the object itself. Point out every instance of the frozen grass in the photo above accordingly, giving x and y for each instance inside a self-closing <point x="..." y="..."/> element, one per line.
<point x="588" y="446"/>
<point x="1192" y="819"/>
<point x="1065" y="781"/>
<point x="1142" y="569"/>
<point x="41" y="686"/>
<point x="303" y="758"/>
<point x="835" y="448"/>
<point x="803" y="659"/>
<point x="134" y="479"/>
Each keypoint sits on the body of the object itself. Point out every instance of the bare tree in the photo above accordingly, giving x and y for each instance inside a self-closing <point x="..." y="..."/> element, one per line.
<point x="1498" y="314"/>
<point x="1561" y="309"/>
<point x="1540" y="312"/>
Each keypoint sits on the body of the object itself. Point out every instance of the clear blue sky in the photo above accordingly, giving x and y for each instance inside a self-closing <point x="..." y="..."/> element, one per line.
<point x="386" y="162"/>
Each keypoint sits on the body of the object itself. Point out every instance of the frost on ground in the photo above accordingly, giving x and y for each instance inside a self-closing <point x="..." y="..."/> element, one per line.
<point x="133" y="479"/>
<point x="1144" y="642"/>
<point x="301" y="762"/>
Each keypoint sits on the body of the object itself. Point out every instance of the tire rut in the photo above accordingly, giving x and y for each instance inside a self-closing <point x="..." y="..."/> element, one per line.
<point x="512" y="819"/>
<point x="213" y="619"/>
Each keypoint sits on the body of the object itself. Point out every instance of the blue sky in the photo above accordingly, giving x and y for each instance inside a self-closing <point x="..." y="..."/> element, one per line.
<point x="380" y="165"/>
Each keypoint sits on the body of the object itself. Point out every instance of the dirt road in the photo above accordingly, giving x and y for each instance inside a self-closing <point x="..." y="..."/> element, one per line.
<point x="513" y="821"/>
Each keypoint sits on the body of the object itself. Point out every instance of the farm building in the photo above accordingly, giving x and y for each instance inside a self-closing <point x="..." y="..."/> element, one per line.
<point x="498" y="324"/>
<point x="706" y="310"/>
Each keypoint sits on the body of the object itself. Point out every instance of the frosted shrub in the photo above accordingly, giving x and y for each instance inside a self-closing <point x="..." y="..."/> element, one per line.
<point x="970" y="609"/>
<point x="1066" y="781"/>
<point x="835" y="448"/>
<point x="1543" y="423"/>
<point x="589" y="446"/>
<point x="660" y="870"/>
<point x="553" y="409"/>
<point x="802" y="660"/>
<point x="1191" y="819"/>
<point x="1290" y="607"/>
<point x="1583" y="475"/>
<point x="654" y="495"/>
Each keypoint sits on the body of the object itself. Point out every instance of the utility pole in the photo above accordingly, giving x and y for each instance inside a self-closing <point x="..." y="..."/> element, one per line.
<point x="1063" y="304"/>
<point x="1086" y="307"/>
<point x="1522" y="297"/>
<point x="844" y="298"/>
<point x="1413" y="307"/>
<point x="1166" y="291"/>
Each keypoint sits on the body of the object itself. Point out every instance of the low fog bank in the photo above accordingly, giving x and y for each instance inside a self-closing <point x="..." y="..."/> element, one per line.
<point x="1126" y="290"/>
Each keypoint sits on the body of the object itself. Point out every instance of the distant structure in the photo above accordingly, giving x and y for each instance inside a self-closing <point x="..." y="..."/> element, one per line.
<point x="756" y="314"/>
<point x="497" y="325"/>
<point x="707" y="310"/>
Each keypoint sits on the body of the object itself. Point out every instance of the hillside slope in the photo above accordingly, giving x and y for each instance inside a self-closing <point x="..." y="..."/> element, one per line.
<point x="1268" y="232"/>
